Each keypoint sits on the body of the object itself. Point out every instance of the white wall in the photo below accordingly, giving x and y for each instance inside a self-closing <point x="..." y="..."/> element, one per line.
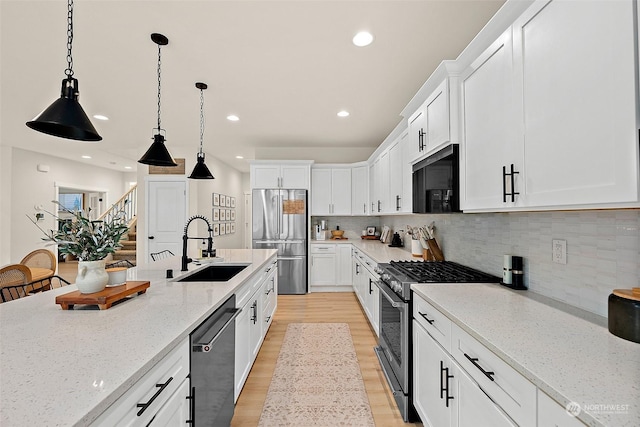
<point x="28" y="187"/>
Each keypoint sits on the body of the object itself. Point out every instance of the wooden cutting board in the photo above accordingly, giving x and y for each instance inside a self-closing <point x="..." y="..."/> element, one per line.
<point x="103" y="299"/>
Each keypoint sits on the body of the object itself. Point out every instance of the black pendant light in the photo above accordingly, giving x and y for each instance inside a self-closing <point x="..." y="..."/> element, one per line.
<point x="65" y="117"/>
<point x="157" y="154"/>
<point x="201" y="171"/>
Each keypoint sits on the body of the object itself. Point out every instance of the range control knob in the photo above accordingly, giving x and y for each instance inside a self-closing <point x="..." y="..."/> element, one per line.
<point x="396" y="286"/>
<point x="377" y="270"/>
<point x="386" y="277"/>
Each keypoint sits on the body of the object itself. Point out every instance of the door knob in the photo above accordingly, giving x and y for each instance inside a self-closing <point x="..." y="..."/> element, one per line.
<point x="151" y="237"/>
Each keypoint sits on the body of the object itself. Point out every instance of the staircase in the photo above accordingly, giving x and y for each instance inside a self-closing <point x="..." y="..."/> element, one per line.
<point x="128" y="204"/>
<point x="128" y="249"/>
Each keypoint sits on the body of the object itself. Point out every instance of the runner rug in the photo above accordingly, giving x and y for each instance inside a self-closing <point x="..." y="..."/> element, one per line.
<point x="317" y="380"/>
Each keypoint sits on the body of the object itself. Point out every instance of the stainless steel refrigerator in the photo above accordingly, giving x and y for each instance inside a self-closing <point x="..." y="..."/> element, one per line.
<point x="280" y="222"/>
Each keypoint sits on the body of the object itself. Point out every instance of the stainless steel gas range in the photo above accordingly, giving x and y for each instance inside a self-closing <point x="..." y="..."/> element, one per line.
<point x="394" y="348"/>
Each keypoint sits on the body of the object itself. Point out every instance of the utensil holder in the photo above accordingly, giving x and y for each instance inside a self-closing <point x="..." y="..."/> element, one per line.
<point x="416" y="248"/>
<point x="435" y="250"/>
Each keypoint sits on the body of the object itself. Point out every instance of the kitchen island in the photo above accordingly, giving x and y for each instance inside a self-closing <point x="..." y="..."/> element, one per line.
<point x="567" y="353"/>
<point x="65" y="367"/>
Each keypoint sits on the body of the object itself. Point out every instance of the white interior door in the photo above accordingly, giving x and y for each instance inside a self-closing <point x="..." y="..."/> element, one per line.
<point x="166" y="216"/>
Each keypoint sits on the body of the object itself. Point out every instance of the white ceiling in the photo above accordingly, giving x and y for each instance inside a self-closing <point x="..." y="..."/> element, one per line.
<point x="284" y="67"/>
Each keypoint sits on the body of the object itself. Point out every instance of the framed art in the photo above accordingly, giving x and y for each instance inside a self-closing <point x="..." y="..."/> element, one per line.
<point x="227" y="201"/>
<point x="233" y="215"/>
<point x="371" y="231"/>
<point x="216" y="214"/>
<point x="222" y="200"/>
<point x="227" y="215"/>
<point x="222" y="230"/>
<point x="227" y="227"/>
<point x="216" y="229"/>
<point x="233" y="227"/>
<point x="233" y="202"/>
<point x="216" y="199"/>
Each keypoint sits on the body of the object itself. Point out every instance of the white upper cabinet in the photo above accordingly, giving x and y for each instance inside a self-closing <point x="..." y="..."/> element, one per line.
<point x="556" y="97"/>
<point x="360" y="190"/>
<point x="576" y="70"/>
<point x="417" y="134"/>
<point x="331" y="191"/>
<point x="489" y="125"/>
<point x="266" y="174"/>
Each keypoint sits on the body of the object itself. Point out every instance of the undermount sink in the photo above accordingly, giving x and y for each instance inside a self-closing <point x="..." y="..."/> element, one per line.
<point x="215" y="273"/>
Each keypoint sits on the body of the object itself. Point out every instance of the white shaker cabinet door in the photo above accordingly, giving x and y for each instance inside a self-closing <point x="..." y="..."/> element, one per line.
<point x="294" y="176"/>
<point x="320" y="191"/>
<point x="491" y="139"/>
<point x="176" y="412"/>
<point x="575" y="64"/>
<point x="341" y="191"/>
<point x="474" y="408"/>
<point x="360" y="190"/>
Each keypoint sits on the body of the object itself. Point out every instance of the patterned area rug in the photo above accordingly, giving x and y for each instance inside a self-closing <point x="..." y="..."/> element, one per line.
<point x="317" y="380"/>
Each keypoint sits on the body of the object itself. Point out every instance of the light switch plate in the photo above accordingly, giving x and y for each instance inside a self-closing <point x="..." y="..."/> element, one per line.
<point x="559" y="251"/>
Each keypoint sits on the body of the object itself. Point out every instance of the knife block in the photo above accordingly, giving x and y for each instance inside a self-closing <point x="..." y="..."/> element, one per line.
<point x="435" y="250"/>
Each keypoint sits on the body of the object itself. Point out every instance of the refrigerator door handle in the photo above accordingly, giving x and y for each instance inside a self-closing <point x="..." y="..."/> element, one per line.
<point x="278" y="241"/>
<point x="290" y="258"/>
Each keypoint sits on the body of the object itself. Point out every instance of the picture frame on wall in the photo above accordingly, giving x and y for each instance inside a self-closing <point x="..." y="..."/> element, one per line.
<point x="216" y="214"/>
<point x="371" y="231"/>
<point x="216" y="229"/>
<point x="222" y="230"/>
<point x="227" y="201"/>
<point x="233" y="227"/>
<point x="233" y="215"/>
<point x="233" y="202"/>
<point x="227" y="227"/>
<point x="222" y="200"/>
<point x="226" y="215"/>
<point x="216" y="199"/>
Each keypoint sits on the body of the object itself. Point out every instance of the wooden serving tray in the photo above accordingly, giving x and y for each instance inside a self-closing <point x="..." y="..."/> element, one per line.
<point x="103" y="299"/>
<point x="370" y="237"/>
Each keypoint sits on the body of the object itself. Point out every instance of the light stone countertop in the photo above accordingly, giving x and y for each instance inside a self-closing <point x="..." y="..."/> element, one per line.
<point x="569" y="355"/>
<point x="376" y="250"/>
<point x="64" y="368"/>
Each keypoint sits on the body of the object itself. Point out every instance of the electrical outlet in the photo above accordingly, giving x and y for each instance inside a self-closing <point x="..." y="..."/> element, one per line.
<point x="559" y="251"/>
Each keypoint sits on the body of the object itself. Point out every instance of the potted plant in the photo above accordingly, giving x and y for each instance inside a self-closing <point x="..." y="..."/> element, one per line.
<point x="88" y="240"/>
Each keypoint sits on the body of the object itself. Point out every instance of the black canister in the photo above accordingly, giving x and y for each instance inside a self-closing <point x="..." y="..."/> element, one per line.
<point x="624" y="314"/>
<point x="513" y="272"/>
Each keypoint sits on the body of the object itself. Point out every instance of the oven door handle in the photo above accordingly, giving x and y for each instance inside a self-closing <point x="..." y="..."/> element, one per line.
<point x="393" y="298"/>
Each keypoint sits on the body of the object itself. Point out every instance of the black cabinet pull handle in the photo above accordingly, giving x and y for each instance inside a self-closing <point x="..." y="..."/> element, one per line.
<point x="370" y="290"/>
<point x="144" y="406"/>
<point x="357" y="268"/>
<point x="398" y="203"/>
<point x="426" y="318"/>
<point x="192" y="398"/>
<point x="474" y="360"/>
<point x="421" y="134"/>
<point x="512" y="176"/>
<point x="254" y="317"/>
<point x="152" y="237"/>
<point x="444" y="386"/>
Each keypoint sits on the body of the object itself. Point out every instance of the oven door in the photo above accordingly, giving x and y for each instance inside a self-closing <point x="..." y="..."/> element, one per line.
<point x="393" y="345"/>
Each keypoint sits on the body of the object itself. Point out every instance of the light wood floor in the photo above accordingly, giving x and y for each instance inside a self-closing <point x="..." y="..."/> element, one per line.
<point x="318" y="308"/>
<point x="68" y="270"/>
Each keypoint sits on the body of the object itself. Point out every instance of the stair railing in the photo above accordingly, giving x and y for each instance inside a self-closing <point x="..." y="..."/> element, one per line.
<point x="128" y="203"/>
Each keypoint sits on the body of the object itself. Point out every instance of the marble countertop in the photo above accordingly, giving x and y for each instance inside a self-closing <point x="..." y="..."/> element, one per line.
<point x="64" y="368"/>
<point x="570" y="356"/>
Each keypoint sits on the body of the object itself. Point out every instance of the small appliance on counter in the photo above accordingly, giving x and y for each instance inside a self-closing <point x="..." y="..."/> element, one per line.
<point x="321" y="232"/>
<point x="624" y="314"/>
<point x="513" y="272"/>
<point x="396" y="241"/>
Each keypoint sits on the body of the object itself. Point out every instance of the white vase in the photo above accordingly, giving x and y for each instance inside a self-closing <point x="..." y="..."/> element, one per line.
<point x="92" y="276"/>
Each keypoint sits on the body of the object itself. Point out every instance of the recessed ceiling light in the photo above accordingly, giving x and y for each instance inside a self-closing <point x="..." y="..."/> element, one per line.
<point x="86" y="157"/>
<point x="127" y="167"/>
<point x="100" y="117"/>
<point x="363" y="38"/>
<point x="343" y="113"/>
<point x="239" y="157"/>
<point x="233" y="118"/>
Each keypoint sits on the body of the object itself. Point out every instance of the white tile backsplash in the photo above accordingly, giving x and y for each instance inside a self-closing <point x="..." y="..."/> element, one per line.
<point x="603" y="249"/>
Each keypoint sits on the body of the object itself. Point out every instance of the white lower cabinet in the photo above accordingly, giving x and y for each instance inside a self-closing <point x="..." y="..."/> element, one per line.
<point x="161" y="391"/>
<point x="364" y="286"/>
<point x="552" y="414"/>
<point x="177" y="409"/>
<point x="258" y="300"/>
<point x="458" y="382"/>
<point x="330" y="269"/>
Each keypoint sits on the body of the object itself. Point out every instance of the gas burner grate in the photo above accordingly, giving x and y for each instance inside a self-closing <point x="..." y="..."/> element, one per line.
<point x="442" y="272"/>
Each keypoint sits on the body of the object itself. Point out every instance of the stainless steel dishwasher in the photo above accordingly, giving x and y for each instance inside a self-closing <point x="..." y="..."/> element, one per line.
<point x="212" y="367"/>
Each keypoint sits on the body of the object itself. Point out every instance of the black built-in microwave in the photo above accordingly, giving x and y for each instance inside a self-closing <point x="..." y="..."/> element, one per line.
<point x="436" y="182"/>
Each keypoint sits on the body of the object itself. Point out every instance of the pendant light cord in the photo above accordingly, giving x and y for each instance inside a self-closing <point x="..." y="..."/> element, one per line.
<point x="69" y="70"/>
<point x="159" y="62"/>
<point x="201" y="118"/>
